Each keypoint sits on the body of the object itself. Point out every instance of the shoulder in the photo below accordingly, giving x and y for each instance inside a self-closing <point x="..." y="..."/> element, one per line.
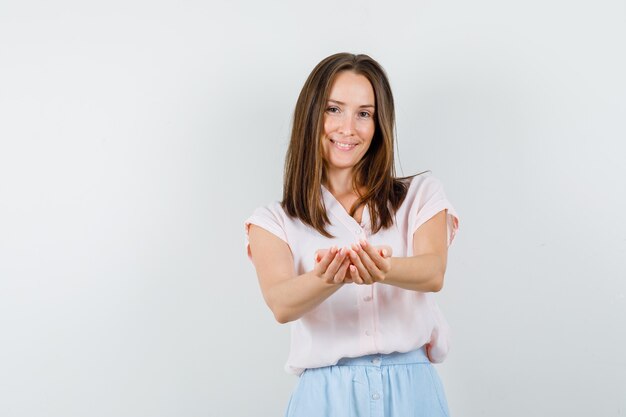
<point x="425" y="198"/>
<point x="271" y="210"/>
<point x="270" y="217"/>
<point x="424" y="195"/>
<point x="423" y="185"/>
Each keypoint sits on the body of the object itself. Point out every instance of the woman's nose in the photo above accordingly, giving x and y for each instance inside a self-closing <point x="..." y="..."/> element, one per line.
<point x="347" y="125"/>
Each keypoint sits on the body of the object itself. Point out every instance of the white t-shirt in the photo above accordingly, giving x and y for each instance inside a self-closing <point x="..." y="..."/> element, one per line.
<point x="363" y="319"/>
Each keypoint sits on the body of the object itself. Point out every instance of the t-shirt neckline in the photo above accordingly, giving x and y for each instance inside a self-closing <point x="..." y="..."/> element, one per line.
<point x="334" y="206"/>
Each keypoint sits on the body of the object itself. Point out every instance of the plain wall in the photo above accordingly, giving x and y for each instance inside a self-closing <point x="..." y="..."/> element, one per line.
<point x="137" y="136"/>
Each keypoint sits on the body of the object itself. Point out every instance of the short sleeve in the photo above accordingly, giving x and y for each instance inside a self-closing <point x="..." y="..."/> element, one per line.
<point x="430" y="199"/>
<point x="267" y="218"/>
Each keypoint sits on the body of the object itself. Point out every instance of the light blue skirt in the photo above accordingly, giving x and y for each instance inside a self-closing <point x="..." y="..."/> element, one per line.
<point x="391" y="385"/>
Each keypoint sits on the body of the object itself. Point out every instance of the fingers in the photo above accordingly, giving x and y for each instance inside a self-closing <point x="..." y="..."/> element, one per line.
<point x="341" y="273"/>
<point x="319" y="254"/>
<point x="362" y="264"/>
<point x="354" y="275"/>
<point x="428" y="352"/>
<point x="355" y="257"/>
<point x="376" y="256"/>
<point x="385" y="251"/>
<point x="329" y="266"/>
<point x="335" y="265"/>
<point x="372" y="263"/>
<point x="323" y="257"/>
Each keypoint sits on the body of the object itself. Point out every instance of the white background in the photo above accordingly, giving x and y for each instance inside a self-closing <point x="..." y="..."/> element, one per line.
<point x="137" y="136"/>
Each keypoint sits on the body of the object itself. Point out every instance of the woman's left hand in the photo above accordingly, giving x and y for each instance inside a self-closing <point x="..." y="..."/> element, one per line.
<point x="369" y="264"/>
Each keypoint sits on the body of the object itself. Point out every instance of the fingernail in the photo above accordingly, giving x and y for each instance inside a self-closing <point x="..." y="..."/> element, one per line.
<point x="363" y="242"/>
<point x="384" y="252"/>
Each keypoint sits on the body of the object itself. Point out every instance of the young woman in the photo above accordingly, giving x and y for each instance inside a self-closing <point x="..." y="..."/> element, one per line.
<point x="352" y="255"/>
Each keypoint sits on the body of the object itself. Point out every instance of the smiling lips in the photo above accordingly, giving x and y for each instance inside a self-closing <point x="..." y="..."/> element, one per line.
<point x="344" y="146"/>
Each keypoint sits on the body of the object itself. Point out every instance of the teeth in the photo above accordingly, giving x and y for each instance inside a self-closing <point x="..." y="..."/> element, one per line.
<point x="344" y="145"/>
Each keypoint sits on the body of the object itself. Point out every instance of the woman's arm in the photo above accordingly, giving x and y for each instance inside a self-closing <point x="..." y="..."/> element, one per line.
<point x="287" y="295"/>
<point x="424" y="271"/>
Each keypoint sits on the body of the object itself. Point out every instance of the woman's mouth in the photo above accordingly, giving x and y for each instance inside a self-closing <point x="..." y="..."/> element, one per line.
<point x="343" y="146"/>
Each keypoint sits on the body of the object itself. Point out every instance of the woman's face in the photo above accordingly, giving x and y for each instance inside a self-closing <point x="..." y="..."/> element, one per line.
<point x="348" y="121"/>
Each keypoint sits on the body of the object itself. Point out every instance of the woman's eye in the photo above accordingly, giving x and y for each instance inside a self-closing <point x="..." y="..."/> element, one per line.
<point x="364" y="114"/>
<point x="332" y="109"/>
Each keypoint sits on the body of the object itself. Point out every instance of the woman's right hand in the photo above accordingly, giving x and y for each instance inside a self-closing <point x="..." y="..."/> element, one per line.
<point x="332" y="265"/>
<point x="321" y="254"/>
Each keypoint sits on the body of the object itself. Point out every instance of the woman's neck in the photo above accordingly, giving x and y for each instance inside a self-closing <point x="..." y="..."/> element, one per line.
<point x="339" y="182"/>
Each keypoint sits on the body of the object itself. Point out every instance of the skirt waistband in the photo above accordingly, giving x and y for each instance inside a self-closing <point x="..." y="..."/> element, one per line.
<point x="380" y="359"/>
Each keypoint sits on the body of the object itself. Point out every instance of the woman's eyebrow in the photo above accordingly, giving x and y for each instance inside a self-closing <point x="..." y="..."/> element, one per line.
<point x="341" y="103"/>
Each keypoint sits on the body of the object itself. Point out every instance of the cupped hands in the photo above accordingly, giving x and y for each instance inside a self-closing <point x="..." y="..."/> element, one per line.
<point x="359" y="263"/>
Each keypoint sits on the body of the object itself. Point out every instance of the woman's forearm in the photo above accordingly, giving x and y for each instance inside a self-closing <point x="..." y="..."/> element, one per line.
<point x="418" y="273"/>
<point x="293" y="297"/>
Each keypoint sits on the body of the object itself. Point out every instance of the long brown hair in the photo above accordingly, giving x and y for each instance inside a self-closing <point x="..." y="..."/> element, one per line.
<point x="304" y="166"/>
